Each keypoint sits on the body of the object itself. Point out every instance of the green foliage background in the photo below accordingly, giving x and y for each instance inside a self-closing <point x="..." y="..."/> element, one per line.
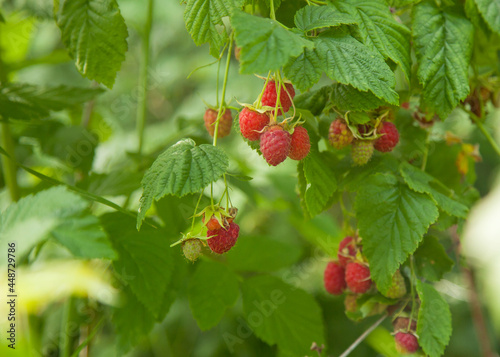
<point x="87" y="139"/>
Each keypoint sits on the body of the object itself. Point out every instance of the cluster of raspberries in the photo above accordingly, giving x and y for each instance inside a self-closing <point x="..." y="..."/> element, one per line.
<point x="276" y="142"/>
<point x="350" y="274"/>
<point x="340" y="136"/>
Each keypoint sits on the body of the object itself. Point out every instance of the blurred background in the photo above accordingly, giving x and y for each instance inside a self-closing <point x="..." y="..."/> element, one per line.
<point x="100" y="137"/>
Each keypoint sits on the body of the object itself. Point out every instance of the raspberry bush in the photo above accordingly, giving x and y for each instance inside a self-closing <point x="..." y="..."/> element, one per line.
<point x="250" y="177"/>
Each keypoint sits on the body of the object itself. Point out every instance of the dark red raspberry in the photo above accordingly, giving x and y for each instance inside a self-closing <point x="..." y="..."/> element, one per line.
<point x="357" y="277"/>
<point x="252" y="123"/>
<point x="389" y="138"/>
<point x="224" y="238"/>
<point x="339" y="134"/>
<point x="347" y="251"/>
<point x="406" y="342"/>
<point x="269" y="97"/>
<point x="275" y="144"/>
<point x="300" y="145"/>
<point x="334" y="278"/>
<point x="225" y="122"/>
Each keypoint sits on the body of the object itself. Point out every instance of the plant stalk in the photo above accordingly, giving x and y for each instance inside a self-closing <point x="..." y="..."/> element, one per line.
<point x="143" y="79"/>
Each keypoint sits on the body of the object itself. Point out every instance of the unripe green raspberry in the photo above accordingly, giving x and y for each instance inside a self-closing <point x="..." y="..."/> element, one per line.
<point x="192" y="249"/>
<point x="398" y="286"/>
<point x="362" y="151"/>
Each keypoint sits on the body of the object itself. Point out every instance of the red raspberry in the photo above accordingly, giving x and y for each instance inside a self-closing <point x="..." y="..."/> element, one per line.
<point x="405" y="105"/>
<point x="347" y="251"/>
<point x="401" y="324"/>
<point x="225" y="122"/>
<point x="334" y="278"/>
<point x="212" y="224"/>
<point x="406" y="342"/>
<point x="269" y="97"/>
<point x="389" y="139"/>
<point x="300" y="145"/>
<point x="357" y="277"/>
<point x="192" y="249"/>
<point x="275" y="145"/>
<point x="361" y="151"/>
<point x="252" y="123"/>
<point x="339" y="134"/>
<point x="224" y="239"/>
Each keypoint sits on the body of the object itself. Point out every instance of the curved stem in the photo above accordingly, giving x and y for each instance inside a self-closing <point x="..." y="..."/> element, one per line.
<point x="485" y="132"/>
<point x="362" y="337"/>
<point x="224" y="86"/>
<point x="143" y="79"/>
<point x="271" y="11"/>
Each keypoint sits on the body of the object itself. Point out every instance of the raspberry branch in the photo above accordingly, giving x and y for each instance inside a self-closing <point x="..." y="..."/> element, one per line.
<point x="362" y="337"/>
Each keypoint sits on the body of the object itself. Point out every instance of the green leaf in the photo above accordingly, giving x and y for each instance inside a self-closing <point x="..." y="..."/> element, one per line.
<point x="443" y="42"/>
<point x="358" y="118"/>
<point x="132" y="321"/>
<point x="262" y="254"/>
<point x="114" y="183"/>
<point x="434" y="321"/>
<point x="281" y="314"/>
<point x="392" y="220"/>
<point x="203" y="20"/>
<point x="305" y="70"/>
<point x="315" y="17"/>
<point x="431" y="260"/>
<point x="321" y="182"/>
<point x="145" y="263"/>
<point x="54" y="211"/>
<point x="213" y="288"/>
<point x="95" y="35"/>
<point x="348" y="61"/>
<point x="346" y="97"/>
<point x="181" y="169"/>
<point x="314" y="101"/>
<point x="420" y="181"/>
<point x="84" y="237"/>
<point x="379" y="30"/>
<point x="25" y="101"/>
<point x="262" y="43"/>
<point x="490" y="9"/>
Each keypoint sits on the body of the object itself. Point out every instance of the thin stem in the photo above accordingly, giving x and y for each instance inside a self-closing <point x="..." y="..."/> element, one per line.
<point x="271" y="14"/>
<point x="66" y="339"/>
<point x="87" y="341"/>
<point x="143" y="78"/>
<point x="196" y="210"/>
<point x="9" y="168"/>
<point x="426" y="152"/>
<point x="485" y="132"/>
<point x="412" y="281"/>
<point x="224" y="86"/>
<point x="257" y="105"/>
<point x="363" y="336"/>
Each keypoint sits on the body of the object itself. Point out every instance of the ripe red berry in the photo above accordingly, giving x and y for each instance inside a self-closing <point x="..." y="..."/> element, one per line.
<point x="357" y="277"/>
<point x="275" y="144"/>
<point x="212" y="224"/>
<point x="339" y="134"/>
<point x="192" y="249"/>
<point x="225" y="122"/>
<point x="389" y="138"/>
<point x="361" y="151"/>
<point x="224" y="238"/>
<point x="300" y="144"/>
<point x="334" y="278"/>
<point x="286" y="96"/>
<point x="347" y="251"/>
<point x="252" y="123"/>
<point x="406" y="342"/>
